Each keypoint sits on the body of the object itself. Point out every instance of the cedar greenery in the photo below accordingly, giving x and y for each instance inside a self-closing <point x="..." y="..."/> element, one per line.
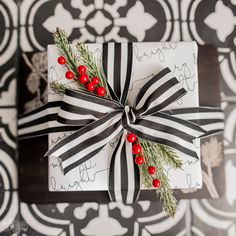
<point x="93" y="70"/>
<point x="155" y="154"/>
<point x="159" y="155"/>
<point x="66" y="50"/>
<point x="85" y="58"/>
<point x="168" y="156"/>
<point x="59" y="88"/>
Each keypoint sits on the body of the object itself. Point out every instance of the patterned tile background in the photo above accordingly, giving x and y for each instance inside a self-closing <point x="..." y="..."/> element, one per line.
<point x="27" y="25"/>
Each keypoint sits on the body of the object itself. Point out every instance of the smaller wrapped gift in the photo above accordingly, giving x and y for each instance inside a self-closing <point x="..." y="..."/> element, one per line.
<point x="152" y="96"/>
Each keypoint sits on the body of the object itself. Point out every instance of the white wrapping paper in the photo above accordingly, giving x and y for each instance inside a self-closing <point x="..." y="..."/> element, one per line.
<point x="148" y="60"/>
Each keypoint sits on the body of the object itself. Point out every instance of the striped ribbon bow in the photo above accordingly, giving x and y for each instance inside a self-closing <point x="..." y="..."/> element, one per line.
<point x="103" y="120"/>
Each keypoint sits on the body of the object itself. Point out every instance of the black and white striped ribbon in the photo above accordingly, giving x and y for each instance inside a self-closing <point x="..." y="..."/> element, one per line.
<point x="209" y="118"/>
<point x="102" y="120"/>
<point x="124" y="177"/>
<point x="41" y="121"/>
<point x="117" y="61"/>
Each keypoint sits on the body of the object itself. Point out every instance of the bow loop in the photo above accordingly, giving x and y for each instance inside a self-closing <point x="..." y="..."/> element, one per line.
<point x="80" y="108"/>
<point x="160" y="91"/>
<point x="87" y="141"/>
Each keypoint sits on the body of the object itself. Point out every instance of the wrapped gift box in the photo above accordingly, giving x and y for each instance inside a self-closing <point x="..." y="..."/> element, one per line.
<point x="149" y="59"/>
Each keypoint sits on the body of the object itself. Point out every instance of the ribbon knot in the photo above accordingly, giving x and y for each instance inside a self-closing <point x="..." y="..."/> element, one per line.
<point x="129" y="116"/>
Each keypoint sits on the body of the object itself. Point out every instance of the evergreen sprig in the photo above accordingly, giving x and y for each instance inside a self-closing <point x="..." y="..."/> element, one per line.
<point x="59" y="88"/>
<point x="85" y="58"/>
<point x="88" y="59"/>
<point x="156" y="155"/>
<point x="169" y="156"/>
<point x="66" y="50"/>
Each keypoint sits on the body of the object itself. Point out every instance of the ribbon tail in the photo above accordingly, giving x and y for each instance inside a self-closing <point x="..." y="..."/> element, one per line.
<point x="211" y="119"/>
<point x="124" y="176"/>
<point x="42" y="121"/>
<point x="77" y="109"/>
<point x="167" y="130"/>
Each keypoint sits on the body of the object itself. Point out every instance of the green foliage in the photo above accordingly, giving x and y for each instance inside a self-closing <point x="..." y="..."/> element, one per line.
<point x="59" y="88"/>
<point x="65" y="49"/>
<point x="93" y="70"/>
<point x="159" y="155"/>
<point x="85" y="57"/>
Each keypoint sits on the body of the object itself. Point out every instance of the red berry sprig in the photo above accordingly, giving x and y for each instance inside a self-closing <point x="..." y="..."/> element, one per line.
<point x="131" y="137"/>
<point x="91" y="86"/>
<point x="152" y="170"/>
<point x="101" y="91"/>
<point x="61" y="60"/>
<point x="140" y="160"/>
<point x="82" y="69"/>
<point x="156" y="183"/>
<point x="137" y="148"/>
<point x="96" y="80"/>
<point x="84" y="78"/>
<point x="69" y="75"/>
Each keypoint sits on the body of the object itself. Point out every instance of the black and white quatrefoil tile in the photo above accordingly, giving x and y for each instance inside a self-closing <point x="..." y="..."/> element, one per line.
<point x="207" y="22"/>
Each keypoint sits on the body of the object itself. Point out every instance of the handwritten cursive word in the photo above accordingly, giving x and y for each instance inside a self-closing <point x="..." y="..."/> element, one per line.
<point x="60" y="138"/>
<point x="185" y="76"/>
<point x="159" y="52"/>
<point x="189" y="162"/>
<point x="73" y="186"/>
<point x="86" y="174"/>
<point x="55" y="165"/>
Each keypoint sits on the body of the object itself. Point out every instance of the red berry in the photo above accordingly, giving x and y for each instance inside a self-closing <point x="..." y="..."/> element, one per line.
<point x="70" y="75"/>
<point x="84" y="78"/>
<point x="139" y="160"/>
<point x="96" y="80"/>
<point x="137" y="148"/>
<point x="61" y="60"/>
<point x="91" y="86"/>
<point x="82" y="69"/>
<point x="101" y="91"/>
<point x="156" y="183"/>
<point x="152" y="170"/>
<point x="131" y="137"/>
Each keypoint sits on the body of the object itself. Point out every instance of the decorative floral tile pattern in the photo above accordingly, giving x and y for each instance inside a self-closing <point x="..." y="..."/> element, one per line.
<point x="135" y="20"/>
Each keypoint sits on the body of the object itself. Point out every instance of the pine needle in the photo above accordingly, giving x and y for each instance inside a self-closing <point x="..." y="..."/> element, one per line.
<point x="65" y="49"/>
<point x="153" y="154"/>
<point x="59" y="88"/>
<point x="88" y="59"/>
<point x="169" y="156"/>
<point x="85" y="58"/>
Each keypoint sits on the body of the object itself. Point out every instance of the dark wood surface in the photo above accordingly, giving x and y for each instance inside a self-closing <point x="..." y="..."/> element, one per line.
<point x="33" y="169"/>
